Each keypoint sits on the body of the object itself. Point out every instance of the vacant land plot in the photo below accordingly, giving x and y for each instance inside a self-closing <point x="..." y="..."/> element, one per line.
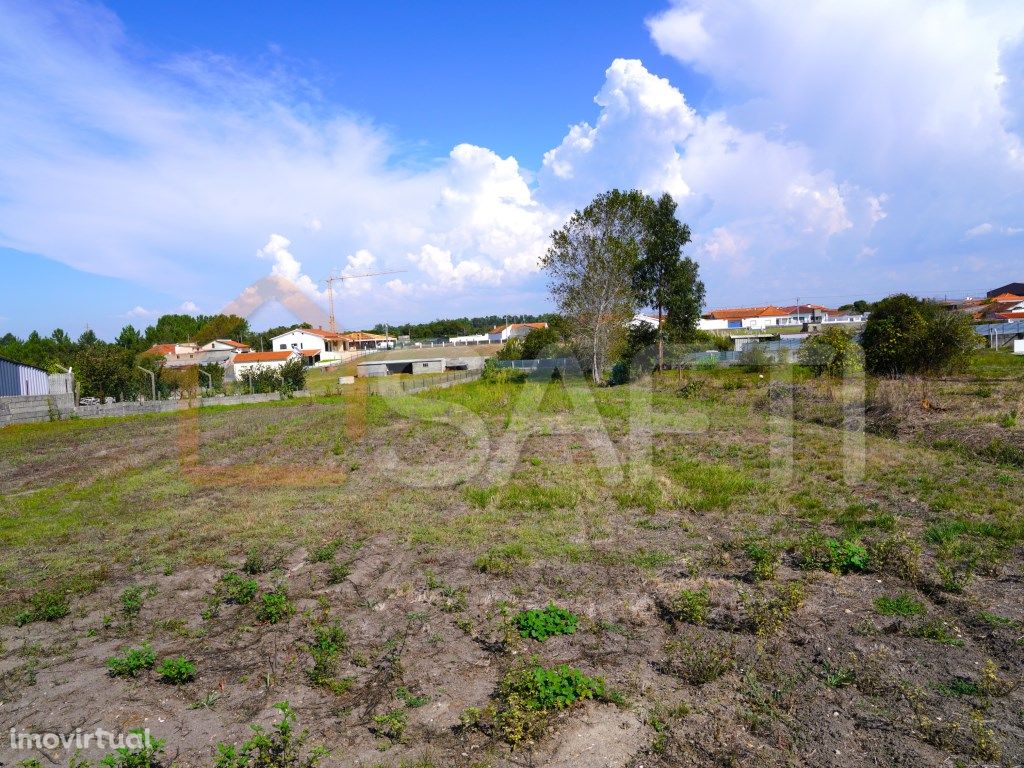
<point x="495" y="575"/>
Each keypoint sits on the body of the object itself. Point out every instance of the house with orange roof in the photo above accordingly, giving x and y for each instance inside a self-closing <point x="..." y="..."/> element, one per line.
<point x="502" y="333"/>
<point x="245" y="361"/>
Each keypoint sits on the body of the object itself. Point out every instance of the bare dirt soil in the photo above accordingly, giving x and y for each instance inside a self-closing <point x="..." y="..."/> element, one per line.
<point x="738" y="616"/>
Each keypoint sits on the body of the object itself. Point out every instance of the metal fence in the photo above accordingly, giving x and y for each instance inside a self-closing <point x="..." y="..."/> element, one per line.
<point x="391" y="387"/>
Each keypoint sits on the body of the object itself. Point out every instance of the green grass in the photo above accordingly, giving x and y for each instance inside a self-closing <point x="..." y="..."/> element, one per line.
<point x="899" y="605"/>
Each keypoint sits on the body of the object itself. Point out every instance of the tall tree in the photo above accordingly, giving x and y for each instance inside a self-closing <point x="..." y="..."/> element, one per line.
<point x="664" y="279"/>
<point x="130" y="338"/>
<point x="592" y="261"/>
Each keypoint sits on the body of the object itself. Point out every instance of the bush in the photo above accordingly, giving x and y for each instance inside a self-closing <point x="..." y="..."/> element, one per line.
<point x="542" y="623"/>
<point x="131" y="601"/>
<point x="293" y="376"/>
<point x="149" y="755"/>
<point x="832" y="352"/>
<point x="329" y="642"/>
<point x="391" y="725"/>
<point x="132" y="661"/>
<point x="818" y="552"/>
<point x="282" y="747"/>
<point x="907" y="335"/>
<point x="176" y="670"/>
<point x="690" y="605"/>
<point x="699" y="661"/>
<point x="238" y="589"/>
<point x="274" y="606"/>
<point x="44" y="605"/>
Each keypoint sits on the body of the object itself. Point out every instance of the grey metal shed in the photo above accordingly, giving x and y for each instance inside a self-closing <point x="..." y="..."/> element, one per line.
<point x="17" y="379"/>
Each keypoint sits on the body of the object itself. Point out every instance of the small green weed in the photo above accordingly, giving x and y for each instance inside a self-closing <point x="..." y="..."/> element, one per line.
<point x="329" y="642"/>
<point x="938" y="632"/>
<point x="338" y="573"/>
<point x="698" y="661"/>
<point x="324" y="553"/>
<point x="900" y="605"/>
<point x="176" y="670"/>
<point x="238" y="589"/>
<point x="131" y="601"/>
<point x="132" y="661"/>
<point x="282" y="747"/>
<point x="149" y="755"/>
<point x="501" y="561"/>
<point x="44" y="605"/>
<point x="542" y="623"/>
<point x="390" y="725"/>
<point x="274" y="607"/>
<point x="411" y="700"/>
<point x="817" y="552"/>
<point x="690" y="605"/>
<point x="764" y="558"/>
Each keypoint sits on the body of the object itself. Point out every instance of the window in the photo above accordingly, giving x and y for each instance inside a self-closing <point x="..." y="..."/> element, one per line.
<point x="283" y="346"/>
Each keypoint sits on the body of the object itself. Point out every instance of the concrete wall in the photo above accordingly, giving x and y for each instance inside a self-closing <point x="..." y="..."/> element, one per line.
<point x="23" y="410"/>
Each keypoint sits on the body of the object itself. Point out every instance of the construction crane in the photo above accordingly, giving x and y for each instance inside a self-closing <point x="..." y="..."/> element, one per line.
<point x="330" y="290"/>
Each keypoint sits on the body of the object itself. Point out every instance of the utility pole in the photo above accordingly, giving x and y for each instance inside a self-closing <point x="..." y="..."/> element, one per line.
<point x="331" y="279"/>
<point x="152" y="379"/>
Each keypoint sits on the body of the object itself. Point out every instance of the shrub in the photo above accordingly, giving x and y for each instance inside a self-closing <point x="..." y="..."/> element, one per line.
<point x="767" y="614"/>
<point x="132" y="661"/>
<point x="818" y="552"/>
<point x="690" y="605"/>
<point x="238" y="589"/>
<point x="901" y="605"/>
<point x="149" y="755"/>
<point x="831" y="352"/>
<point x="391" y="725"/>
<point x="906" y="335"/>
<point x="44" y="605"/>
<point x="896" y="555"/>
<point x="257" y="560"/>
<point x="529" y="694"/>
<point x="699" y="661"/>
<point x="325" y="553"/>
<point x="176" y="670"/>
<point x="338" y="573"/>
<point x="282" y="747"/>
<point x="542" y="623"/>
<point x="329" y="642"/>
<point x="764" y="558"/>
<point x="274" y="606"/>
<point x="131" y="601"/>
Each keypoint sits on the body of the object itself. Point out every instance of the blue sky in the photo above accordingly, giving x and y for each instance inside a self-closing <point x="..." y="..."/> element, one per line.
<point x="155" y="161"/>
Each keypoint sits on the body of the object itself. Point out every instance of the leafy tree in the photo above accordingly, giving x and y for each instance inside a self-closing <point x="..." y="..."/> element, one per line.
<point x="831" y="352"/>
<point x="591" y="262"/>
<point x="664" y="279"/>
<point x="221" y="327"/>
<point x="87" y="339"/>
<point x="907" y="335"/>
<point x="293" y="376"/>
<point x="545" y="342"/>
<point x="130" y="338"/>
<point x="169" y="329"/>
<point x="106" y="370"/>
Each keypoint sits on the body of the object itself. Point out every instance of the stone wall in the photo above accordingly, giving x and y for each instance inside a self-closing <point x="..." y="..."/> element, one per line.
<point x="24" y="410"/>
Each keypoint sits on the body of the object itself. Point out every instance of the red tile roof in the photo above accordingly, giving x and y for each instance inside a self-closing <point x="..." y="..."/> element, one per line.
<point x="230" y="343"/>
<point x="742" y="313"/>
<point x="500" y="328"/>
<point x="1010" y="315"/>
<point x="161" y="349"/>
<point x="309" y="352"/>
<point x="1007" y="297"/>
<point x="261" y="357"/>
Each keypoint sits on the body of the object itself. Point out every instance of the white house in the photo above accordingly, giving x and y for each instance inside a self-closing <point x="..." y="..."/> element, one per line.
<point x="225" y="345"/>
<point x="476" y="338"/>
<point x="330" y="344"/>
<point x="771" y="316"/>
<point x="502" y="333"/>
<point x="243" y="362"/>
